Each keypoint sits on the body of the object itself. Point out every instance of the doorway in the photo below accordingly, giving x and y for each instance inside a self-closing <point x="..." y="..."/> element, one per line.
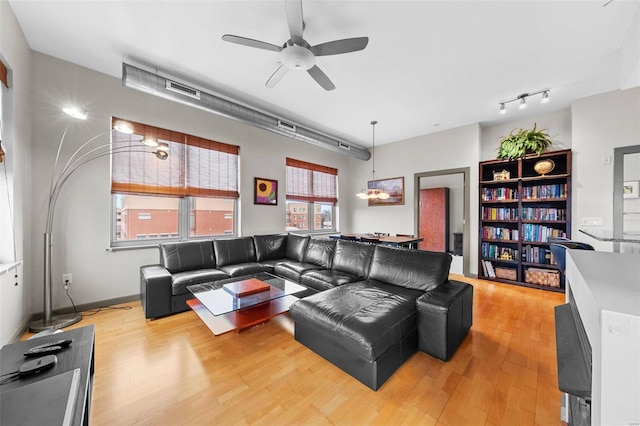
<point x="442" y="214"/>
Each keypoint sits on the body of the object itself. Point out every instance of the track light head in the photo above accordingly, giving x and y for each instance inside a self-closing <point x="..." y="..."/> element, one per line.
<point x="545" y="97"/>
<point x="523" y="103"/>
<point x="503" y="109"/>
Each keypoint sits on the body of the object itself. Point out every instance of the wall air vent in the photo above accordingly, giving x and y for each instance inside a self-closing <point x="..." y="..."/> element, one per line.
<point x="154" y="84"/>
<point x="285" y="125"/>
<point x="182" y="89"/>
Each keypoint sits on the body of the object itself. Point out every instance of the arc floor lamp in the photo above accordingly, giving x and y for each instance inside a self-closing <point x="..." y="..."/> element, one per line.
<point x="80" y="157"/>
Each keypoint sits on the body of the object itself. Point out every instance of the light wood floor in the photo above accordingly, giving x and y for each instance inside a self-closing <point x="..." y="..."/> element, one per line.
<point x="174" y="371"/>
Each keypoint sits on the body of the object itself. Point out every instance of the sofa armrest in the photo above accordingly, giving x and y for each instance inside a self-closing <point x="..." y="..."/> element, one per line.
<point x="155" y="290"/>
<point x="445" y="316"/>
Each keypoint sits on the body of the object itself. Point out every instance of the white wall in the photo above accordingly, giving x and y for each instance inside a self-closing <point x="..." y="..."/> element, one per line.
<point x="82" y="222"/>
<point x="16" y="55"/>
<point x="450" y="149"/>
<point x="600" y="124"/>
<point x="557" y="124"/>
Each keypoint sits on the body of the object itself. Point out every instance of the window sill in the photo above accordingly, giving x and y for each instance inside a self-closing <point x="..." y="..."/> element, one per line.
<point x="6" y="267"/>
<point x="137" y="247"/>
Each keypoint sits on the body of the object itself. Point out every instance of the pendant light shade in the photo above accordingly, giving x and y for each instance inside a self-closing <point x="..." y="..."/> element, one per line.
<point x="372" y="193"/>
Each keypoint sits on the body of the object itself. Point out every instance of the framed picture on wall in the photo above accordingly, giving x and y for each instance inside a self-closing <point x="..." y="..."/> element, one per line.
<point x="630" y="189"/>
<point x="393" y="186"/>
<point x="265" y="191"/>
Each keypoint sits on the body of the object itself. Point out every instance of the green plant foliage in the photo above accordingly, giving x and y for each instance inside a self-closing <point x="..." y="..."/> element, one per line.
<point x="519" y="144"/>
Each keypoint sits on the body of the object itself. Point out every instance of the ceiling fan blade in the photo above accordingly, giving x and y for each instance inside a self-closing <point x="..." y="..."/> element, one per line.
<point x="322" y="79"/>
<point x="340" y="46"/>
<point x="295" y="20"/>
<point x="251" y="42"/>
<point x="276" y="76"/>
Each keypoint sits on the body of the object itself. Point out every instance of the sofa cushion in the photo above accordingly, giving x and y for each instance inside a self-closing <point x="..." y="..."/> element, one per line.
<point x="293" y="270"/>
<point x="320" y="252"/>
<point x="296" y="246"/>
<point x="324" y="279"/>
<point x="246" y="268"/>
<point x="180" y="280"/>
<point x="270" y="247"/>
<point x="353" y="258"/>
<point x="421" y="270"/>
<point x="234" y="250"/>
<point x="366" y="317"/>
<point x="187" y="255"/>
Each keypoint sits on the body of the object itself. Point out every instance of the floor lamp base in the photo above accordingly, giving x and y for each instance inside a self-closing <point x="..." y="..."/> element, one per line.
<point x="56" y="321"/>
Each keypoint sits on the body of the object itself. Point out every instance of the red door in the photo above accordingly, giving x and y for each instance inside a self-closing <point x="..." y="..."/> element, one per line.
<point x="434" y="219"/>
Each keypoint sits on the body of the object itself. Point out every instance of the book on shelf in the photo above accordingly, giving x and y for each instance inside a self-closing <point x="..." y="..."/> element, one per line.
<point x="490" y="271"/>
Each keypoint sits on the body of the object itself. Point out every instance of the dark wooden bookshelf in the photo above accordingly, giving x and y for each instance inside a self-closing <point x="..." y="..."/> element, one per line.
<point x="538" y="218"/>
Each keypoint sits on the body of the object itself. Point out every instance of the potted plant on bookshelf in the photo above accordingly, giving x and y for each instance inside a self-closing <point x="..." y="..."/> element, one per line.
<point x="522" y="142"/>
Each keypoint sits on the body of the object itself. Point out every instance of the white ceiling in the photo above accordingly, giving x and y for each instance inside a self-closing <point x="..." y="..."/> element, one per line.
<point x="429" y="65"/>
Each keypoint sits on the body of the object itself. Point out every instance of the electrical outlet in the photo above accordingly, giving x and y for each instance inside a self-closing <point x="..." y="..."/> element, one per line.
<point x="66" y="278"/>
<point x="592" y="221"/>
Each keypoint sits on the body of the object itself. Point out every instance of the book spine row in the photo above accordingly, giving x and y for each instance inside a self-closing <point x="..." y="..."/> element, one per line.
<point x="540" y="233"/>
<point x="501" y="213"/>
<point x="544" y="191"/>
<point x="497" y="233"/>
<point x="542" y="255"/>
<point x="492" y="251"/>
<point x="540" y="213"/>
<point x="499" y="194"/>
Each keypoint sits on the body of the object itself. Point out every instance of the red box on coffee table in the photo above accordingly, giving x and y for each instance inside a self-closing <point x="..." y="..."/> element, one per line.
<point x="246" y="287"/>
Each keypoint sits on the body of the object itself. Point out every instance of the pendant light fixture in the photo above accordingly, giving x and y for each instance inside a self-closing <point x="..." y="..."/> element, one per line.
<point x="373" y="193"/>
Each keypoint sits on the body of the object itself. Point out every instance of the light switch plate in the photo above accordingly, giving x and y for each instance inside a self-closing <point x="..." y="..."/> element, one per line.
<point x="592" y="221"/>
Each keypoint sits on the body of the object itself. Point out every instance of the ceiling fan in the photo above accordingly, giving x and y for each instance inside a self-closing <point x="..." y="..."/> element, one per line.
<point x="296" y="54"/>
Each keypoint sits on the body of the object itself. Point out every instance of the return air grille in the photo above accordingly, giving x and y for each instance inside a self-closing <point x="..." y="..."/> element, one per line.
<point x="288" y="126"/>
<point x="182" y="89"/>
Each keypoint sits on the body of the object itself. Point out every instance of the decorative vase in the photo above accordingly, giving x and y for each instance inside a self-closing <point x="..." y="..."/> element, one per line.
<point x="544" y="166"/>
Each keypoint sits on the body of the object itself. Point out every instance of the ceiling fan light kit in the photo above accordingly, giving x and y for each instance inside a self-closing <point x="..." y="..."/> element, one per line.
<point x="298" y="55"/>
<point x="502" y="109"/>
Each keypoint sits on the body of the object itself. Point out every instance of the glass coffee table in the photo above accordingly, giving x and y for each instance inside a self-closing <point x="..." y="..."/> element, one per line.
<point x="242" y="302"/>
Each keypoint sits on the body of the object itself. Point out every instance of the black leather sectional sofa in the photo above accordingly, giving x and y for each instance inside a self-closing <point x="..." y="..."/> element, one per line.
<point x="367" y="308"/>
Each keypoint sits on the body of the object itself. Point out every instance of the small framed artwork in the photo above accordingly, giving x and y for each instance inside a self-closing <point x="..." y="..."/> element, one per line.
<point x="265" y="192"/>
<point x="393" y="186"/>
<point x="630" y="189"/>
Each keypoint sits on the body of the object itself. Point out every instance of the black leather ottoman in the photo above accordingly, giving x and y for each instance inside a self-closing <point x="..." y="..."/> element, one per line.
<point x="445" y="316"/>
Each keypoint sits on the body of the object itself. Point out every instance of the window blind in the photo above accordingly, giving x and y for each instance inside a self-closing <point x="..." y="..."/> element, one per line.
<point x="311" y="182"/>
<point x="195" y="166"/>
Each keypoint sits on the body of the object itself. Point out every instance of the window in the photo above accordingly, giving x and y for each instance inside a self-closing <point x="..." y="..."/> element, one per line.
<point x="310" y="188"/>
<point x="192" y="193"/>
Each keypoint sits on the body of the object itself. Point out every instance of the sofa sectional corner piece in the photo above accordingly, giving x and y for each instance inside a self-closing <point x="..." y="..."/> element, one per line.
<point x="370" y="328"/>
<point x="367" y="308"/>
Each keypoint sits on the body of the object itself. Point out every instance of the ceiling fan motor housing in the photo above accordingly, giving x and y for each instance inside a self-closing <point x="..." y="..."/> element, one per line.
<point x="297" y="58"/>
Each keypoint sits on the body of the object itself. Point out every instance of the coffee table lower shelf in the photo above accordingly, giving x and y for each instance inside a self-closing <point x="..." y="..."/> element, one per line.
<point x="243" y="319"/>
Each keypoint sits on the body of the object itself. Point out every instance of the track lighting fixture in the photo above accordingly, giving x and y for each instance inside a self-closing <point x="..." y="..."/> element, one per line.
<point x="502" y="108"/>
